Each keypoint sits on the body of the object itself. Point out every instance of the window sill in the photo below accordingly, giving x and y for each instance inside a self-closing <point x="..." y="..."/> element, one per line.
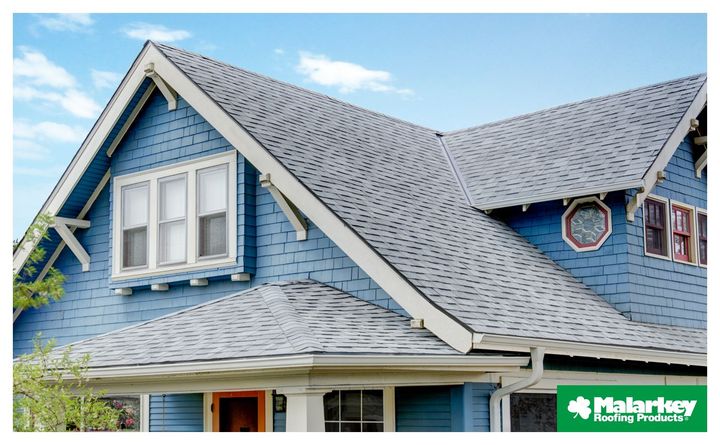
<point x="660" y="257"/>
<point x="172" y="270"/>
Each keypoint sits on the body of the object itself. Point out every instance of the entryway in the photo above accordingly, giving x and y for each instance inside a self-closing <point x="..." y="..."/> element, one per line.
<point x="242" y="411"/>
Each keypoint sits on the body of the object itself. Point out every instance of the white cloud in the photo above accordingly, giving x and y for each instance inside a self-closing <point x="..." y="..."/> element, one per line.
<point x="105" y="79"/>
<point x="46" y="130"/>
<point x="30" y="150"/>
<point x="36" y="69"/>
<point x="346" y="76"/>
<point x="72" y="100"/>
<point x="279" y="51"/>
<point x="66" y="22"/>
<point x="160" y="33"/>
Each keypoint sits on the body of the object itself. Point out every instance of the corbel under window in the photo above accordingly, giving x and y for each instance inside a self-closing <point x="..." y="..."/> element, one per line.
<point x="291" y="212"/>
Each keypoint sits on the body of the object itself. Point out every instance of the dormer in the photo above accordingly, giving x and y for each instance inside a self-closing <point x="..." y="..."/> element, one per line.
<point x="613" y="189"/>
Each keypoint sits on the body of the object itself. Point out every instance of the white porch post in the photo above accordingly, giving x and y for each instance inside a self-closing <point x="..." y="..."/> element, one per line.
<point x="305" y="409"/>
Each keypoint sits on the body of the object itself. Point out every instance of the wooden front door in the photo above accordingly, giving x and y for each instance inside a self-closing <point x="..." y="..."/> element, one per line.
<point x="242" y="411"/>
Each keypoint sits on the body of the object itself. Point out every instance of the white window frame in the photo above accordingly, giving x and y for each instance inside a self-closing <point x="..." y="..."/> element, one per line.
<point x="388" y="405"/>
<point x="152" y="176"/>
<point x="173" y="220"/>
<point x="668" y="229"/>
<point x="698" y="211"/>
<point x="693" y="236"/>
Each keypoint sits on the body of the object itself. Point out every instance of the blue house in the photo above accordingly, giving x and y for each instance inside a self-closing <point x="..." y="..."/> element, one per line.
<point x="242" y="254"/>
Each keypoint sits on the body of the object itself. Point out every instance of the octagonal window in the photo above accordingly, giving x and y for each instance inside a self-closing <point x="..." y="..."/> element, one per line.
<point x="586" y="224"/>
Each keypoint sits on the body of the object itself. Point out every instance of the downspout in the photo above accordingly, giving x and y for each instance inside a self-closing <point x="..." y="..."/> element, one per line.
<point x="536" y="360"/>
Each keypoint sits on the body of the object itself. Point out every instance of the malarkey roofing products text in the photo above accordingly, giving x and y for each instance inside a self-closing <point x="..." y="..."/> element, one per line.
<point x="632" y="408"/>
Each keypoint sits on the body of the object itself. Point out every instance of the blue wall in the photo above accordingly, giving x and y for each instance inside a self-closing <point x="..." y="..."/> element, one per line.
<point x="643" y="288"/>
<point x="176" y="412"/>
<point x="279" y="422"/>
<point x="443" y="408"/>
<point x="90" y="308"/>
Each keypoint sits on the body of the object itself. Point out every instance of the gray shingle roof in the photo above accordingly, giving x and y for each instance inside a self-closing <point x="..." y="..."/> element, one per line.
<point x="603" y="144"/>
<point x="390" y="181"/>
<point x="284" y="318"/>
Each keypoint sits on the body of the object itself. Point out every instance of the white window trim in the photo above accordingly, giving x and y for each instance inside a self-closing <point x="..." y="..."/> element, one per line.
<point x="693" y="236"/>
<point x="192" y="261"/>
<point x="571" y="207"/>
<point x="388" y="404"/>
<point x="668" y="229"/>
<point x="173" y="220"/>
<point x="698" y="211"/>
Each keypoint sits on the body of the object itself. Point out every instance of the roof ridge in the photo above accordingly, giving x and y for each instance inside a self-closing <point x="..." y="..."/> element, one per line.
<point x="568" y="104"/>
<point x="292" y="324"/>
<point x="291" y="85"/>
<point x="184" y="310"/>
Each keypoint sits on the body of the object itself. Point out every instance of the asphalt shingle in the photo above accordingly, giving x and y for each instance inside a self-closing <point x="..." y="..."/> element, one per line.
<point x="283" y="318"/>
<point x="391" y="182"/>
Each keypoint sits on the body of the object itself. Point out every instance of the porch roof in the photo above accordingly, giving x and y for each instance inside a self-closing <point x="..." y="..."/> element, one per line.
<point x="277" y="319"/>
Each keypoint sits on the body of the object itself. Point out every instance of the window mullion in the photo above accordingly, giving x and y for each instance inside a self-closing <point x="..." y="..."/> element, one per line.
<point x="153" y="224"/>
<point x="191" y="217"/>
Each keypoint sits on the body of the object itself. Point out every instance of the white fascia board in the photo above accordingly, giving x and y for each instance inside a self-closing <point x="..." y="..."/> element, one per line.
<point x="576" y="193"/>
<point x="446" y="327"/>
<point x="89" y="148"/>
<point x="567" y="348"/>
<point x="317" y="362"/>
<point x="667" y="151"/>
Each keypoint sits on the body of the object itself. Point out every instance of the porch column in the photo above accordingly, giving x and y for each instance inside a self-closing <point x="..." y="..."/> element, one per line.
<point x="305" y="410"/>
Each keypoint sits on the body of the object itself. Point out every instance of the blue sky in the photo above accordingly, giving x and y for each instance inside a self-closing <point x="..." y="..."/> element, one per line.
<point x="442" y="71"/>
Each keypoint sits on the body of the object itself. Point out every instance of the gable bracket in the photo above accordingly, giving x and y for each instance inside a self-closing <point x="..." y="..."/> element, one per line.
<point x="686" y="124"/>
<point x="61" y="227"/>
<point x="288" y="208"/>
<point x="165" y="89"/>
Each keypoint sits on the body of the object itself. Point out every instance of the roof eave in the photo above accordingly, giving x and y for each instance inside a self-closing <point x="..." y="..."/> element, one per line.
<point x="580" y="349"/>
<point x="553" y="196"/>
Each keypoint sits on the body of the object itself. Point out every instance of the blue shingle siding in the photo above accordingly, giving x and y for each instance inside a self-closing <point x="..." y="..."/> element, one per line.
<point x="268" y="241"/>
<point x="429" y="409"/>
<point x="176" y="412"/>
<point x="663" y="291"/>
<point x="643" y="288"/>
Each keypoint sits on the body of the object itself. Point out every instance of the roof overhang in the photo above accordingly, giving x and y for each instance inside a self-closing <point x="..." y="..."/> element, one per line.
<point x="572" y="349"/>
<point x="328" y="370"/>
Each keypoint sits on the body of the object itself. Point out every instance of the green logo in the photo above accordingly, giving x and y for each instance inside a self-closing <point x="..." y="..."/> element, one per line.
<point x="632" y="408"/>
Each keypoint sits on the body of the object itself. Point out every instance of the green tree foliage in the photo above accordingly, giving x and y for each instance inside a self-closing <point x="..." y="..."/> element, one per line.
<point x="51" y="394"/>
<point x="27" y="291"/>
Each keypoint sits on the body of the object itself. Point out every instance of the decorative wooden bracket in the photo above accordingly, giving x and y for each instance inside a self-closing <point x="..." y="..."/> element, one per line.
<point x="62" y="227"/>
<point x="165" y="89"/>
<point x="291" y="212"/>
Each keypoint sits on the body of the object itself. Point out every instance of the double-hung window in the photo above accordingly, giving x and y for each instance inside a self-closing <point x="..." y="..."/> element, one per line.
<point x="175" y="218"/>
<point x="656" y="239"/>
<point x="702" y="237"/>
<point x="682" y="233"/>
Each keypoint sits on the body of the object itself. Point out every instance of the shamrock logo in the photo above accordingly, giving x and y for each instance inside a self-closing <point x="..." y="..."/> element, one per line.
<point x="580" y="406"/>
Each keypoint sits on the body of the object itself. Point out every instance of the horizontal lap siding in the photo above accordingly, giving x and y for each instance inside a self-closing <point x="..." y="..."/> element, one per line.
<point x="176" y="412"/>
<point x="279" y="422"/>
<point x="423" y="409"/>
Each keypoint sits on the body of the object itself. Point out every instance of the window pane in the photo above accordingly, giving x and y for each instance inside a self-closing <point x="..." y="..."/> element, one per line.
<point x="135" y="205"/>
<point x="172" y="242"/>
<point x="533" y="412"/>
<point x="212" y="190"/>
<point x="212" y="235"/>
<point x="372" y="427"/>
<point x="332" y="405"/>
<point x="172" y="198"/>
<point x="350" y="402"/>
<point x="135" y="247"/>
<point x="372" y="405"/>
<point x="332" y="427"/>
<point x="350" y="427"/>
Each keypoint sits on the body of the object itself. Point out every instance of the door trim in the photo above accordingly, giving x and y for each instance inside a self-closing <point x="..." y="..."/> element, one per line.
<point x="259" y="395"/>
